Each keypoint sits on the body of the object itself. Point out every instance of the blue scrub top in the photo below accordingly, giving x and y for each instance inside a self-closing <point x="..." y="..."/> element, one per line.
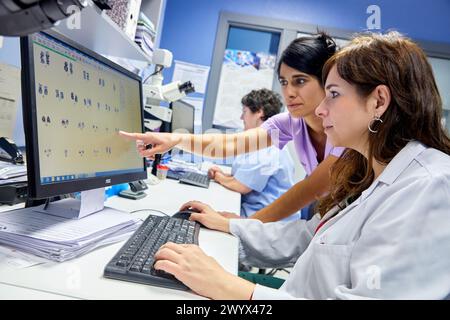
<point x="269" y="173"/>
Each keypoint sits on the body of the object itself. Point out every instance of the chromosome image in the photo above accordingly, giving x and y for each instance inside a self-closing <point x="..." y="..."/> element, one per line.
<point x="80" y="117"/>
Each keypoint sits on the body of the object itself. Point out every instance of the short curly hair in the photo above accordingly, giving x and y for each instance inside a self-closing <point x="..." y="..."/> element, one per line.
<point x="265" y="99"/>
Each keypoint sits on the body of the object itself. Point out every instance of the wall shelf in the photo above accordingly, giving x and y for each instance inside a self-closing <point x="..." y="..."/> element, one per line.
<point x="99" y="33"/>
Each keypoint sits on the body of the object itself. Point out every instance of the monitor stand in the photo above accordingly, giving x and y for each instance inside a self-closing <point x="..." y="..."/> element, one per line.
<point x="91" y="201"/>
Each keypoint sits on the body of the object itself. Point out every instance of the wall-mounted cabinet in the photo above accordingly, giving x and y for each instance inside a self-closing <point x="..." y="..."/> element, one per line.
<point x="154" y="10"/>
<point x="98" y="32"/>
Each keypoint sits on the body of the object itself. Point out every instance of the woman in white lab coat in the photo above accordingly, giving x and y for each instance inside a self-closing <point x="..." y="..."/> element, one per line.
<point x="384" y="229"/>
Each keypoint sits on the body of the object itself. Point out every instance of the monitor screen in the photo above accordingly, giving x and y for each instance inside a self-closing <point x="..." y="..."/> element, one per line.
<point x="183" y="116"/>
<point x="75" y="103"/>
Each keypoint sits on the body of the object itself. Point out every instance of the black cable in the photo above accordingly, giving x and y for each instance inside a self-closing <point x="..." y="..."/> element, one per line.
<point x="151" y="210"/>
<point x="156" y="71"/>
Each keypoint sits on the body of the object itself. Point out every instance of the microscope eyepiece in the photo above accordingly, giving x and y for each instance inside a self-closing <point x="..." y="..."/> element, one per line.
<point x="187" y="87"/>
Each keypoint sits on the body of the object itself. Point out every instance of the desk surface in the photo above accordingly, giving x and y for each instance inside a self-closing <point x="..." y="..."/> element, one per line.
<point x="82" y="278"/>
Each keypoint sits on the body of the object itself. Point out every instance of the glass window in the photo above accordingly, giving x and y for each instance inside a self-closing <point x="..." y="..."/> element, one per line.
<point x="249" y="63"/>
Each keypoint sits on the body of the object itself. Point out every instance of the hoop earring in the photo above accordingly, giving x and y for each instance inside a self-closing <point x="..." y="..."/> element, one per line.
<point x="375" y="119"/>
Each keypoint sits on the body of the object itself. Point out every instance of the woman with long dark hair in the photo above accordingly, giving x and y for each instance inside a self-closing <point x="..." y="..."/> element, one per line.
<point x="384" y="229"/>
<point x="300" y="75"/>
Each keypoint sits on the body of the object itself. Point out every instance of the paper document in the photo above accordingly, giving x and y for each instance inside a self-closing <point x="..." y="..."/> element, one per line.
<point x="181" y="166"/>
<point x="60" y="239"/>
<point x="195" y="73"/>
<point x="52" y="228"/>
<point x="89" y="201"/>
<point x="14" y="180"/>
<point x="8" y="171"/>
<point x="9" y="96"/>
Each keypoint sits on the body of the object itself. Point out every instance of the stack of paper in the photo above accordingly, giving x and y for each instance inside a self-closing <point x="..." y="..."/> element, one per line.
<point x="145" y="34"/>
<point x="179" y="167"/>
<point x="61" y="239"/>
<point x="12" y="173"/>
<point x="8" y="170"/>
<point x="14" y="180"/>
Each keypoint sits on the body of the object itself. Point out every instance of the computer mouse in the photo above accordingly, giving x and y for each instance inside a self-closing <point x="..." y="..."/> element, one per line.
<point x="182" y="215"/>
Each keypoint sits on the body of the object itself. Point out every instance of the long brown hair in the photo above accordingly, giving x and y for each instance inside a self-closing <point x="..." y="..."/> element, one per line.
<point x="414" y="113"/>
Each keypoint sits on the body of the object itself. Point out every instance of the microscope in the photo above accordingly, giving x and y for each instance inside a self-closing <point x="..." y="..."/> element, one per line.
<point x="156" y="93"/>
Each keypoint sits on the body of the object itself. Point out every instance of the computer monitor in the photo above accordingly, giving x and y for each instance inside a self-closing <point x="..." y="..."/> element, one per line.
<point x="74" y="104"/>
<point x="183" y="116"/>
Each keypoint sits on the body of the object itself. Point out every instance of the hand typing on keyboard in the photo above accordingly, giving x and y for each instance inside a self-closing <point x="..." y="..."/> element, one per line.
<point x="207" y="216"/>
<point x="135" y="260"/>
<point x="201" y="273"/>
<point x="213" y="170"/>
<point x="189" y="264"/>
<point x="164" y="252"/>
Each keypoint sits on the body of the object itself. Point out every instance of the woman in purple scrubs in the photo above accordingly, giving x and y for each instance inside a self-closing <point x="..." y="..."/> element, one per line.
<point x="300" y="73"/>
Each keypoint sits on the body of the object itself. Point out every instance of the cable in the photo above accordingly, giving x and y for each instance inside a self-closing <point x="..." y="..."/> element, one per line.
<point x="151" y="210"/>
<point x="157" y="71"/>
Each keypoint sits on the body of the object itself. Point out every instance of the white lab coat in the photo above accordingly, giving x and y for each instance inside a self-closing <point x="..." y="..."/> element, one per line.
<point x="393" y="242"/>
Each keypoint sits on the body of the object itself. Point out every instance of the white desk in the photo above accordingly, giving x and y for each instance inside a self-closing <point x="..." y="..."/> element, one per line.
<point x="82" y="278"/>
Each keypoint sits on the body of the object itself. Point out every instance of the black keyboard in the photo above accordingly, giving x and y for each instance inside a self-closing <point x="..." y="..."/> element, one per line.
<point x="134" y="261"/>
<point x="195" y="179"/>
<point x="174" y="175"/>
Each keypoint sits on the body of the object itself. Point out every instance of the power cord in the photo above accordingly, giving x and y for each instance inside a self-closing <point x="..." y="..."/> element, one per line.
<point x="151" y="210"/>
<point x="151" y="75"/>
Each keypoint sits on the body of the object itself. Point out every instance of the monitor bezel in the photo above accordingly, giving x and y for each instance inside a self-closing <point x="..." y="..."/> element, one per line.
<point x="37" y="190"/>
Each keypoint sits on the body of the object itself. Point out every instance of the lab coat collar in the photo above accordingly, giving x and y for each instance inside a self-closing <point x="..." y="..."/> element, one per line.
<point x="397" y="165"/>
<point x="393" y="170"/>
<point x="401" y="161"/>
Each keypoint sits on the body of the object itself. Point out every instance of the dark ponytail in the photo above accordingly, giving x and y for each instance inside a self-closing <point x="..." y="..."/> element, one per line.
<point x="308" y="54"/>
<point x="328" y="43"/>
